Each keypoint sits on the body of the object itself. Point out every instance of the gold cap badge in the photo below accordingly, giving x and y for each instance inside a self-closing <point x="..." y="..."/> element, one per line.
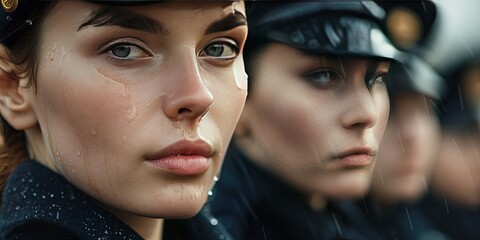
<point x="405" y="27"/>
<point x="9" y="5"/>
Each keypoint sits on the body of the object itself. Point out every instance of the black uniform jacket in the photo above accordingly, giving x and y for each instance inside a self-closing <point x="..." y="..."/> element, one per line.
<point x="253" y="204"/>
<point x="40" y="204"/>
<point x="455" y="220"/>
<point x="400" y="221"/>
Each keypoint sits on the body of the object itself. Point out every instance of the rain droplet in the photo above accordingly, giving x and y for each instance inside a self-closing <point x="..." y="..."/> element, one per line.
<point x="132" y="113"/>
<point x="215" y="179"/>
<point x="210" y="193"/>
<point x="214" y="221"/>
<point x="9" y="18"/>
<point x="78" y="153"/>
<point x="29" y="22"/>
<point x="94" y="132"/>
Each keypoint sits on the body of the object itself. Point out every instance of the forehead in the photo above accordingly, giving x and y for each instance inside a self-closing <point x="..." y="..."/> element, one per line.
<point x="181" y="10"/>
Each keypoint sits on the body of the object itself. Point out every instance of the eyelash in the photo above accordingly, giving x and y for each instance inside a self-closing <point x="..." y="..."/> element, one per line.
<point x="232" y="44"/>
<point x="371" y="82"/>
<point x="223" y="41"/>
<point x="312" y="78"/>
<point x="106" y="51"/>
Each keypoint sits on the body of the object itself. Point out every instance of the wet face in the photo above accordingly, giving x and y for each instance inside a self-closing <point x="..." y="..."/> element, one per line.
<point x="314" y="121"/>
<point x="408" y="150"/>
<point x="136" y="105"/>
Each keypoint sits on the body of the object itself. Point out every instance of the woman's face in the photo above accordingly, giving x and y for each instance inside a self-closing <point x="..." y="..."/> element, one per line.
<point x="408" y="150"/>
<point x="137" y="105"/>
<point x="315" y="121"/>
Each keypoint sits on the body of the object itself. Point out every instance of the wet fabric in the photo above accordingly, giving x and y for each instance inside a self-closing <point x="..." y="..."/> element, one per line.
<point x="458" y="222"/>
<point x="402" y="221"/>
<point x="253" y="204"/>
<point x="40" y="204"/>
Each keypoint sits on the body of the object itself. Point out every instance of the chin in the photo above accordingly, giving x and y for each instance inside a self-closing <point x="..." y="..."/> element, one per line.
<point x="177" y="210"/>
<point x="352" y="187"/>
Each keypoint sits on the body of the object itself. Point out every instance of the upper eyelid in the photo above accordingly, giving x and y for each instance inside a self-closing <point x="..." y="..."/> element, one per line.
<point x="233" y="44"/>
<point x="229" y="40"/>
<point x="325" y="69"/>
<point x="125" y="41"/>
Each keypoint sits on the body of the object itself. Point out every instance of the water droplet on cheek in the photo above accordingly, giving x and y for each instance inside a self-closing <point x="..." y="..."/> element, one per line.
<point x="132" y="114"/>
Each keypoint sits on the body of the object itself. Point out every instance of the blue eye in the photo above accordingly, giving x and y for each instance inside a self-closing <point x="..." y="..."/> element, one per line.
<point x="126" y="51"/>
<point x="324" y="78"/>
<point x="221" y="50"/>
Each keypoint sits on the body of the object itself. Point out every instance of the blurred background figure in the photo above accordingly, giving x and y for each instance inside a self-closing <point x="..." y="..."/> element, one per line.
<point x="412" y="137"/>
<point x="314" y="118"/>
<point x="407" y="153"/>
<point x="454" y="201"/>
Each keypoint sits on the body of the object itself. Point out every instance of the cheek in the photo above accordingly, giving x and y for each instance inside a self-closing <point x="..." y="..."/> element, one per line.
<point x="383" y="108"/>
<point x="83" y="111"/>
<point x="229" y="101"/>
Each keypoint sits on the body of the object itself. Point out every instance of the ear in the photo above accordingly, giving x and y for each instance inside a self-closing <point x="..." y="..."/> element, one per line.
<point x="15" y="104"/>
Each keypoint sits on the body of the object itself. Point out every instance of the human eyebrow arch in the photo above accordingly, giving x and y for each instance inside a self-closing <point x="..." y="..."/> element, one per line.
<point x="373" y="66"/>
<point x="114" y="16"/>
<point x="227" y="23"/>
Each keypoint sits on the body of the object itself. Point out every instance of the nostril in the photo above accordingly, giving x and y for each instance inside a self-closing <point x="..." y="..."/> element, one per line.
<point x="183" y="110"/>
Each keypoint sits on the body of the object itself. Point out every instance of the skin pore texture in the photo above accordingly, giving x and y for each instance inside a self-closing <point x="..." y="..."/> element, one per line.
<point x="111" y="96"/>
<point x="314" y="121"/>
<point x="408" y="150"/>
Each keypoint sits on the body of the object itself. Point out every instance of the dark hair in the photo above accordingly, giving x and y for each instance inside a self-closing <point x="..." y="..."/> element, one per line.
<point x="23" y="51"/>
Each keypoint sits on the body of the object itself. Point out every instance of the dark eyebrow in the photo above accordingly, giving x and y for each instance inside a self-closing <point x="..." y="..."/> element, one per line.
<point x="114" y="16"/>
<point x="373" y="66"/>
<point x="230" y="22"/>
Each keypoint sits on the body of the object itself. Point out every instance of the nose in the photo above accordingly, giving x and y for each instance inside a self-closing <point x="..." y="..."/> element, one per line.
<point x="361" y="111"/>
<point x="190" y="99"/>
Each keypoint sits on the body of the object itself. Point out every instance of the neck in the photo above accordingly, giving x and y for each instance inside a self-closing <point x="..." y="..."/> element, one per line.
<point x="38" y="150"/>
<point x="148" y="228"/>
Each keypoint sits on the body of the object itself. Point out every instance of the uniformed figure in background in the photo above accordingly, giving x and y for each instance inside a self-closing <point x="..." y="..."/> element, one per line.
<point x="407" y="154"/>
<point x="412" y="138"/>
<point x="453" y="203"/>
<point x="314" y="118"/>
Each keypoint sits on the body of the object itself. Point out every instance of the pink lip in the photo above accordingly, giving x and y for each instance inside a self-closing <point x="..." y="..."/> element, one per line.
<point x="183" y="158"/>
<point x="355" y="157"/>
